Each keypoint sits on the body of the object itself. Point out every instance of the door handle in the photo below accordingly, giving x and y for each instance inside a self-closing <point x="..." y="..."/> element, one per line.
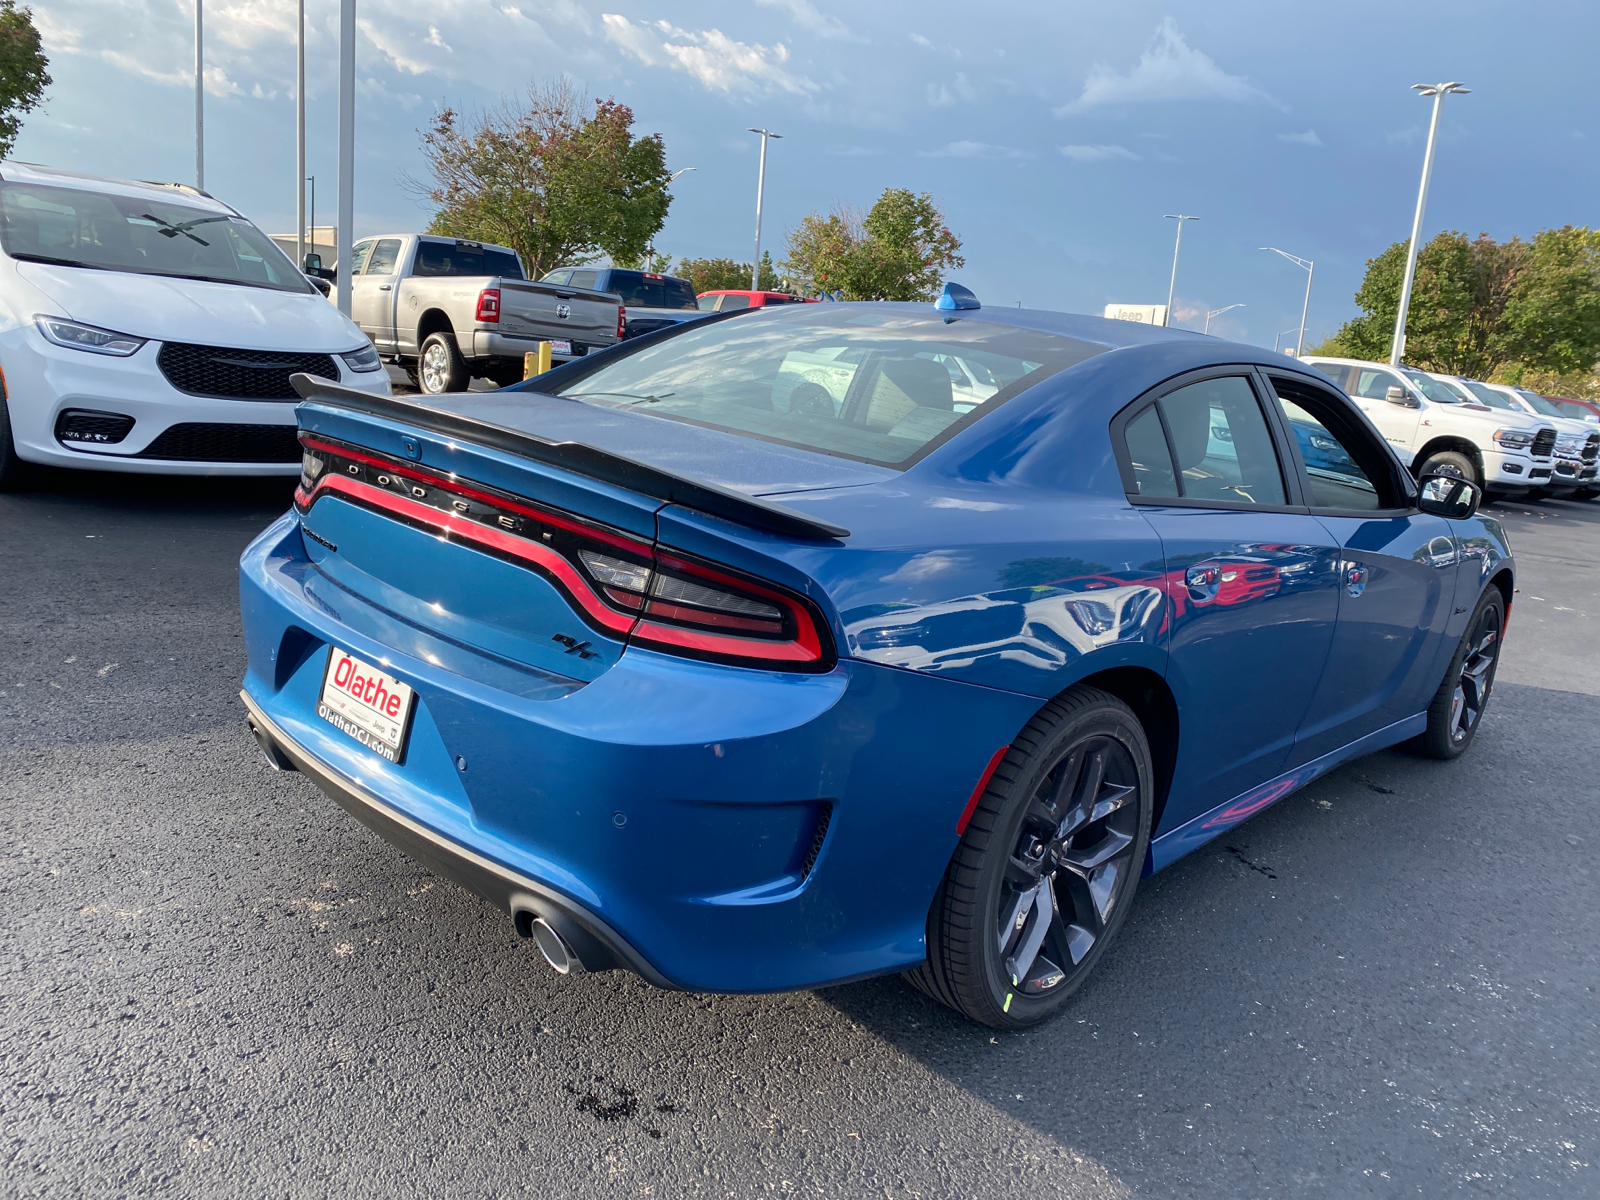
<point x="1355" y="578"/>
<point x="384" y="287"/>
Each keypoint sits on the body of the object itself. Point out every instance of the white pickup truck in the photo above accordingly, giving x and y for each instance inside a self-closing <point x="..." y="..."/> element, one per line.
<point x="1435" y="433"/>
<point x="449" y="310"/>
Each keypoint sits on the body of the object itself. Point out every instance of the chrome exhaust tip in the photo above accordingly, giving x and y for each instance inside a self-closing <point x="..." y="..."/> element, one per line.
<point x="556" y="952"/>
<point x="276" y="758"/>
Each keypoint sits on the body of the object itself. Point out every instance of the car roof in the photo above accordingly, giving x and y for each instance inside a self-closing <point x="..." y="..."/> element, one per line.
<point x="13" y="171"/>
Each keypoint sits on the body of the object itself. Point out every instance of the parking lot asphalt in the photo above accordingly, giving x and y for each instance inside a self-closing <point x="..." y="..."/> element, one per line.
<point x="215" y="983"/>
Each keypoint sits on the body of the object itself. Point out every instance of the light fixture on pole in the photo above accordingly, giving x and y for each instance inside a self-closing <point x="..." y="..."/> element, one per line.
<point x="1172" y="287"/>
<point x="1217" y="312"/>
<point x="1438" y="91"/>
<point x="1280" y="336"/>
<point x="761" y="186"/>
<point x="347" y="150"/>
<point x="199" y="96"/>
<point x="1309" y="267"/>
<point x="300" y="140"/>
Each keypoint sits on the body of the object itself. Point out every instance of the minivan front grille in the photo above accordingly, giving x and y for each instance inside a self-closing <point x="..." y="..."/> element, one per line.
<point x="195" y="441"/>
<point x="225" y="374"/>
<point x="1543" y="443"/>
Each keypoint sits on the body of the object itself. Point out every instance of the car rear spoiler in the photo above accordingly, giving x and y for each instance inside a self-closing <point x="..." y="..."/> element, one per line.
<point x="582" y="459"/>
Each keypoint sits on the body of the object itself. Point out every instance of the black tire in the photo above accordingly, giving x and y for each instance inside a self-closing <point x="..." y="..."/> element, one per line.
<point x="1533" y="494"/>
<point x="1463" y="696"/>
<point x="1585" y="493"/>
<point x="440" y="367"/>
<point x="1081" y="882"/>
<point x="1450" y="462"/>
<point x="15" y="475"/>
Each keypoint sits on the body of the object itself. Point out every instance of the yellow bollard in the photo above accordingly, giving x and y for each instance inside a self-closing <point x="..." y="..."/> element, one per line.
<point x="536" y="362"/>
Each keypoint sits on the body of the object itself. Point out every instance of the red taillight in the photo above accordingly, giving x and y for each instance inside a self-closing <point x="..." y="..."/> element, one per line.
<point x="489" y="306"/>
<point x="619" y="585"/>
<point x="622" y="322"/>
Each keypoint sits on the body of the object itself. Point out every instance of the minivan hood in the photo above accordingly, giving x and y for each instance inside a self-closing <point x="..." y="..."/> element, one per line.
<point x="192" y="310"/>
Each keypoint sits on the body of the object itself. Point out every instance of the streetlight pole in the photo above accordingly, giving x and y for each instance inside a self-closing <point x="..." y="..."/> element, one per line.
<point x="1217" y="312"/>
<point x="300" y="141"/>
<point x="761" y="185"/>
<point x="1309" y="267"/>
<point x="347" y="149"/>
<point x="199" y="95"/>
<point x="1278" y="337"/>
<point x="1172" y="287"/>
<point x="650" y="250"/>
<point x="1438" y="91"/>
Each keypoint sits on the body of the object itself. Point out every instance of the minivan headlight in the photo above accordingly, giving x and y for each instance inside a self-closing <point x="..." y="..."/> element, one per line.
<point x="364" y="359"/>
<point x="1513" y="439"/>
<point x="87" y="337"/>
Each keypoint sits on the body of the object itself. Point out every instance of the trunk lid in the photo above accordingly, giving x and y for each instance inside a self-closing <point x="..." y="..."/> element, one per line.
<point x="535" y="310"/>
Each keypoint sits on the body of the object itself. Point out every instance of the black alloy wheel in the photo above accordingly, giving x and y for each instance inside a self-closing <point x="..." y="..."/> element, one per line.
<point x="1458" y="707"/>
<point x="1045" y="872"/>
<point x="15" y="474"/>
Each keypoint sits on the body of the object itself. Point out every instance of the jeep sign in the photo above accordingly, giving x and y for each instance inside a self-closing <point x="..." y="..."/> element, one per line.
<point x="1145" y="314"/>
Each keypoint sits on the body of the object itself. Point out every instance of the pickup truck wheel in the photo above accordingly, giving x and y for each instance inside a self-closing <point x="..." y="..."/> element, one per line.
<point x="440" y="368"/>
<point x="1458" y="706"/>
<point x="1046" y="867"/>
<point x="15" y="475"/>
<point x="1585" y="494"/>
<point x="1450" y="462"/>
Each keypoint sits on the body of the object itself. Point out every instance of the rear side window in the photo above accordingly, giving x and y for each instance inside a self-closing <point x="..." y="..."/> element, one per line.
<point x="465" y="258"/>
<point x="584" y="278"/>
<point x="1151" y="458"/>
<point x="678" y="294"/>
<point x="1337" y="372"/>
<point x="729" y="303"/>
<point x="562" y="276"/>
<point x="1220" y="437"/>
<point x="707" y="303"/>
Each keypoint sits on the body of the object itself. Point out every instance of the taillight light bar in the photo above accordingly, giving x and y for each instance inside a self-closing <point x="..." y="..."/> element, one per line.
<point x="489" y="306"/>
<point x="622" y="322"/>
<point x="620" y="585"/>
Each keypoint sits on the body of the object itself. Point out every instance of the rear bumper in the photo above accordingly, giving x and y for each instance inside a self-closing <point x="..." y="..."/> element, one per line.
<point x="712" y="828"/>
<point x="485" y="344"/>
<point x="599" y="947"/>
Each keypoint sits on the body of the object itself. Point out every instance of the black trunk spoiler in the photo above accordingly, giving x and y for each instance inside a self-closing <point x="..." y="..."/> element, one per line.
<point x="577" y="457"/>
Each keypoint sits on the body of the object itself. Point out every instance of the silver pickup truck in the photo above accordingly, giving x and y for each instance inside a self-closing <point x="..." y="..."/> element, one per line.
<point x="449" y="310"/>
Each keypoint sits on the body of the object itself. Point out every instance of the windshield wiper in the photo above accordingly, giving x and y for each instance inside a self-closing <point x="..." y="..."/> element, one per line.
<point x="53" y="261"/>
<point x="634" y="397"/>
<point x="170" y="230"/>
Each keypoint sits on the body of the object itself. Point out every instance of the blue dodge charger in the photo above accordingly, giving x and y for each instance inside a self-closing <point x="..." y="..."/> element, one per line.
<point x="818" y="642"/>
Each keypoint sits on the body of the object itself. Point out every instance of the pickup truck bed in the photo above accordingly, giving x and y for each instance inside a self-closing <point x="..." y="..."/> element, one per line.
<point x="440" y="308"/>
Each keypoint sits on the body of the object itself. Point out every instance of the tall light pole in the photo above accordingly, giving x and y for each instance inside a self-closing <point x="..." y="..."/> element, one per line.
<point x="761" y="186"/>
<point x="1279" y="337"/>
<point x="199" y="96"/>
<point x="1438" y="91"/>
<point x="300" y="141"/>
<point x="1309" y="267"/>
<point x="1217" y="312"/>
<point x="347" y="149"/>
<point x="1172" y="287"/>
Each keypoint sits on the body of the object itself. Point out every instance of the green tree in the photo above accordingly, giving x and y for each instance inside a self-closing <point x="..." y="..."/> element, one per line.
<point x="555" y="185"/>
<point x="723" y="274"/>
<point x="900" y="250"/>
<point x="23" y="75"/>
<point x="1554" y="315"/>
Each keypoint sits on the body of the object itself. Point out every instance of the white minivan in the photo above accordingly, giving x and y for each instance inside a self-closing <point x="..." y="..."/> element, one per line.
<point x="149" y="327"/>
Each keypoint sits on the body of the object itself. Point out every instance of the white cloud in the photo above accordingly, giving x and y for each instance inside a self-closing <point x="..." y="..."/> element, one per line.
<point x="950" y="51"/>
<point x="1088" y="154"/>
<point x="719" y="62"/>
<point x="58" y="38"/>
<point x="1169" y="69"/>
<point x="974" y="150"/>
<point x="1308" y="138"/>
<point x="804" y="14"/>
<point x="395" y="48"/>
<point x="943" y="95"/>
<point x="435" y="40"/>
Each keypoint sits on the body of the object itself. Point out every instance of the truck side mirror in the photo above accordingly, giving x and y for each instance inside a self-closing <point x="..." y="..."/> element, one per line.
<point x="1398" y="395"/>
<point x="312" y="264"/>
<point x="1448" y="496"/>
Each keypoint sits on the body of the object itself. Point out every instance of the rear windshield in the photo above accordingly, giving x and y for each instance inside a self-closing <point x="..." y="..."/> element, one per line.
<point x="106" y="232"/>
<point x="875" y="385"/>
<point x="639" y="290"/>
<point x="465" y="258"/>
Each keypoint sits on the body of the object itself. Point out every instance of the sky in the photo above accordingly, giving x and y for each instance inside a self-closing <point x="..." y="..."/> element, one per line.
<point x="1055" y="136"/>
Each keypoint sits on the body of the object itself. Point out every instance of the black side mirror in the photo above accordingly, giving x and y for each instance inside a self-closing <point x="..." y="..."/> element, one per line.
<point x="1448" y="496"/>
<point x="312" y="264"/>
<point x="1398" y="395"/>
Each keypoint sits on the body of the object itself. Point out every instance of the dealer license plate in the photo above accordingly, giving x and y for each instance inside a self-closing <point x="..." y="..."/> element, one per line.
<point x="561" y="348"/>
<point x="362" y="701"/>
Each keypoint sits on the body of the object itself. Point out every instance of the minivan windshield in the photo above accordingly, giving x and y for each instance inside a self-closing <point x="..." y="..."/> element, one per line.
<point x="873" y="384"/>
<point x="74" y="227"/>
